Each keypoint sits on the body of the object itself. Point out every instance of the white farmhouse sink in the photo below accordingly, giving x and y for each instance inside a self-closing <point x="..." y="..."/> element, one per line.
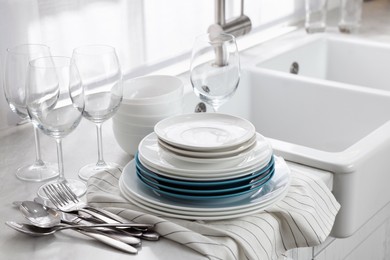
<point x="336" y="58"/>
<point x="317" y="120"/>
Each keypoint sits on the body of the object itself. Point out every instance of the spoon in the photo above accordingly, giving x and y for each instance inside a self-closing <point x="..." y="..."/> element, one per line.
<point x="44" y="231"/>
<point x="39" y="215"/>
<point x="45" y="217"/>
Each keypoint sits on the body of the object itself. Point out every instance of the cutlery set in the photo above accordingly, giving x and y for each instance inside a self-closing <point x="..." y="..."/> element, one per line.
<point x="66" y="211"/>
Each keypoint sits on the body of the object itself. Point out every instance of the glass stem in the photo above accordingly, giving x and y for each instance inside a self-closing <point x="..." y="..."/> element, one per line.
<point x="38" y="160"/>
<point x="100" y="145"/>
<point x="60" y="159"/>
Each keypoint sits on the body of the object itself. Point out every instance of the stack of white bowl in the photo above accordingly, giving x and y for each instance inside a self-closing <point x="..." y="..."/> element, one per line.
<point x="146" y="101"/>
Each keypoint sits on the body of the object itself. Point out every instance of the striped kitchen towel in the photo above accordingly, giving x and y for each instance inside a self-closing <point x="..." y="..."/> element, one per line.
<point x="304" y="218"/>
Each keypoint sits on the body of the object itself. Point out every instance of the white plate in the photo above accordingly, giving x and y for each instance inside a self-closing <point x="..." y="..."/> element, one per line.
<point x="236" y="157"/>
<point x="194" y="215"/>
<point x="207" y="155"/>
<point x="132" y="188"/>
<point x="154" y="158"/>
<point x="205" y="131"/>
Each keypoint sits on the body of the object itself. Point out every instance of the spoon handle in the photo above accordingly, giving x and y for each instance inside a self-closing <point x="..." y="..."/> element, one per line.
<point x="114" y="225"/>
<point x="126" y="236"/>
<point x="110" y="241"/>
<point x="108" y="214"/>
<point x="102" y="216"/>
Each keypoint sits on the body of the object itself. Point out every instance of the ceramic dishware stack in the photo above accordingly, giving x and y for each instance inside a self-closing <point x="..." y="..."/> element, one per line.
<point x="146" y="101"/>
<point x="204" y="166"/>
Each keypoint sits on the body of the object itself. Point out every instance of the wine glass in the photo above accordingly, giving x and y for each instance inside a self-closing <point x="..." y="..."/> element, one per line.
<point x="15" y="74"/>
<point x="55" y="103"/>
<point x="102" y="82"/>
<point x="215" y="68"/>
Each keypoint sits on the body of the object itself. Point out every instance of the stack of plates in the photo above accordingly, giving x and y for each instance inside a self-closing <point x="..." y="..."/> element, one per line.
<point x="204" y="166"/>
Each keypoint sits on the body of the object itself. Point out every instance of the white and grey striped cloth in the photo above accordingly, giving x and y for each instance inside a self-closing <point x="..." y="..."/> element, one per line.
<point x="303" y="218"/>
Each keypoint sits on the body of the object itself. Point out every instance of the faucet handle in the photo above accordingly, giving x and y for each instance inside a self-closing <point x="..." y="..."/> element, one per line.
<point x="237" y="27"/>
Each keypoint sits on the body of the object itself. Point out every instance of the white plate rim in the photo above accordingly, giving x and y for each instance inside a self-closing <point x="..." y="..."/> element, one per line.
<point x="198" y="213"/>
<point x="175" y="122"/>
<point x="215" y="154"/>
<point x="207" y="158"/>
<point x="210" y="216"/>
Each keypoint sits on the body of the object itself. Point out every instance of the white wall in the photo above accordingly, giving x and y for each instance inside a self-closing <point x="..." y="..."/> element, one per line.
<point x="66" y="24"/>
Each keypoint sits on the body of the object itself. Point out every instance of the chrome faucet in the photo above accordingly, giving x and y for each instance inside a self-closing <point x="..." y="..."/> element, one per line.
<point x="236" y="26"/>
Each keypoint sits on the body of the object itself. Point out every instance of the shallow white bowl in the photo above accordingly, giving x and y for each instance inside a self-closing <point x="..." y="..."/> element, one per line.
<point x="152" y="89"/>
<point x="166" y="108"/>
<point x="130" y="128"/>
<point x="128" y="142"/>
<point x="142" y="120"/>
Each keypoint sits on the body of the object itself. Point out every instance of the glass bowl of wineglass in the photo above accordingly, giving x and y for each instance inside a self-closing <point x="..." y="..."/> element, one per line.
<point x="15" y="75"/>
<point x="55" y="103"/>
<point x="101" y="77"/>
<point x="215" y="68"/>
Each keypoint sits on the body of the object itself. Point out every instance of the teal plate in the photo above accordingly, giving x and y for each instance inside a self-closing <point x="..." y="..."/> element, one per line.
<point x="206" y="191"/>
<point x="204" y="198"/>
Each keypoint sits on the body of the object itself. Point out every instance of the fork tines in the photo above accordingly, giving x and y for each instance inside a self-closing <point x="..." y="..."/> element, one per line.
<point x="60" y="194"/>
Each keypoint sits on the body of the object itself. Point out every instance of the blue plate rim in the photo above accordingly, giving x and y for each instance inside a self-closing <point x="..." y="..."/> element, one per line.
<point x="215" y="191"/>
<point x="210" y="197"/>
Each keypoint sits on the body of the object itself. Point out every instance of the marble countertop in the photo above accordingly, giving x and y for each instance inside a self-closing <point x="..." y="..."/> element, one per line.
<point x="80" y="148"/>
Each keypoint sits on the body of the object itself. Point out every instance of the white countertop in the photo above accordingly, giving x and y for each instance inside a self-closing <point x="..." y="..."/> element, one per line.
<point x="80" y="148"/>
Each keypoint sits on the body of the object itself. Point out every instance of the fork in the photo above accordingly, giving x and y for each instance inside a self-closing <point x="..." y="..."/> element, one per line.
<point x="65" y="200"/>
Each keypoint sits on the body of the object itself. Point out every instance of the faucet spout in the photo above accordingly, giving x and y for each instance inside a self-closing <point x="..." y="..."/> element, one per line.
<point x="237" y="26"/>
